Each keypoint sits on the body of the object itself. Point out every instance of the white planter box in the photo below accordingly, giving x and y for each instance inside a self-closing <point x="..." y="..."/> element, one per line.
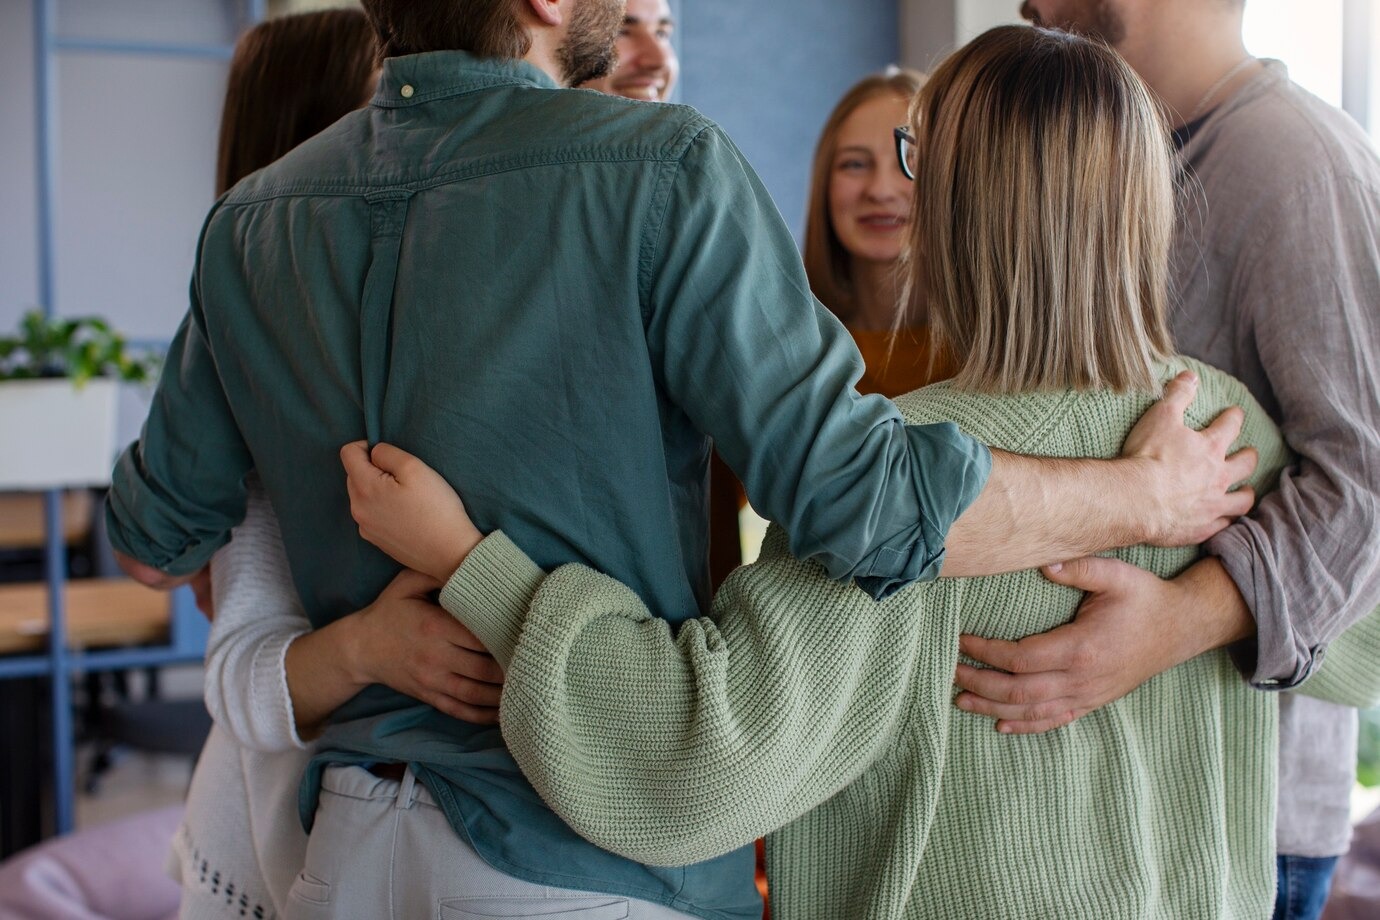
<point x="53" y="435"/>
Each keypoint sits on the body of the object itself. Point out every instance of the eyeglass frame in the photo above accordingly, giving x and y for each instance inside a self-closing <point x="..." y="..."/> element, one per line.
<point x="904" y="139"/>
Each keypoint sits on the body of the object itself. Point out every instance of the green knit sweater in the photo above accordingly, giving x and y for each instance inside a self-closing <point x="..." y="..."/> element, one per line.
<point x="801" y="706"/>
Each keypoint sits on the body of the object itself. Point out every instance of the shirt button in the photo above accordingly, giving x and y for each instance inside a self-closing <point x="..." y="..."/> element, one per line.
<point x="407" y="91"/>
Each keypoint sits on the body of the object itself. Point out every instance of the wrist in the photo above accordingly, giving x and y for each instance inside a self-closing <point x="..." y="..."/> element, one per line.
<point x="349" y="637"/>
<point x="1149" y="513"/>
<point x="446" y="566"/>
<point x="1212" y="607"/>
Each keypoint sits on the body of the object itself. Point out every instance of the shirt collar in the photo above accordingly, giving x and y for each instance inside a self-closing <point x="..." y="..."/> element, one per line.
<point x="417" y="78"/>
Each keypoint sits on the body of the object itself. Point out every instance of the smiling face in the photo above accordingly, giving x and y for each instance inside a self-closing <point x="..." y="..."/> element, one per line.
<point x="647" y="64"/>
<point x="869" y="196"/>
<point x="1100" y="19"/>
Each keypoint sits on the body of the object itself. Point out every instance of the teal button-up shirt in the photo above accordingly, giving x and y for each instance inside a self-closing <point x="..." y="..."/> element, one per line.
<point x="555" y="298"/>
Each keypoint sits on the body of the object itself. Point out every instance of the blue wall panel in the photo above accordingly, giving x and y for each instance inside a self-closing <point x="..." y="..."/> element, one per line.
<point x="769" y="71"/>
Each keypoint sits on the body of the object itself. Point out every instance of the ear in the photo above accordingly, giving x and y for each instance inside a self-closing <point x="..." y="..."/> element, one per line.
<point x="549" y="12"/>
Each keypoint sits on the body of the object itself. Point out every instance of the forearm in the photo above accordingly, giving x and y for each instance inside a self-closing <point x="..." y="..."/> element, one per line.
<point x="1213" y="611"/>
<point x="257" y="618"/>
<point x="1036" y="511"/>
<point x="793" y="688"/>
<point x="322" y="674"/>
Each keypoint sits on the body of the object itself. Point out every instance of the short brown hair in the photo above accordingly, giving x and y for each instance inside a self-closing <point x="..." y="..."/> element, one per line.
<point x="827" y="263"/>
<point x="290" y="78"/>
<point x="1043" y="215"/>
<point x="487" y="28"/>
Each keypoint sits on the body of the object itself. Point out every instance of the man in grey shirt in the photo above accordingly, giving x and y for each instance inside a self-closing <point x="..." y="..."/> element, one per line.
<point x="1278" y="282"/>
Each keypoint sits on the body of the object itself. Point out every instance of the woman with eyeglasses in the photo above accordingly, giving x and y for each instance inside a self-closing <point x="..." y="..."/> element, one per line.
<point x="856" y="224"/>
<point x="1040" y="237"/>
<point x="856" y="221"/>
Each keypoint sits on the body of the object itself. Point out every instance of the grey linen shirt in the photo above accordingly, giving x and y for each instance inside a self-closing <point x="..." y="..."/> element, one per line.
<point x="1277" y="279"/>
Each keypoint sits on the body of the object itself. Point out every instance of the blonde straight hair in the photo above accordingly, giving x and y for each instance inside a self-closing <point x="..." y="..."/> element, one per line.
<point x="1043" y="215"/>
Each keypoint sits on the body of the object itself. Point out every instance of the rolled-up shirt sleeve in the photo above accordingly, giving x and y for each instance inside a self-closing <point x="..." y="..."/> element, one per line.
<point x="177" y="491"/>
<point x="759" y="365"/>
<point x="1307" y="560"/>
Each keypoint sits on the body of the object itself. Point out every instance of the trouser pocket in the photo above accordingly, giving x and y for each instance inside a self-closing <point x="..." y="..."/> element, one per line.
<point x="310" y="889"/>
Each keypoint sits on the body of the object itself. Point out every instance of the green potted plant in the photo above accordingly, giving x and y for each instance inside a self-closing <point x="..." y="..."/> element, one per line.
<point x="58" y="380"/>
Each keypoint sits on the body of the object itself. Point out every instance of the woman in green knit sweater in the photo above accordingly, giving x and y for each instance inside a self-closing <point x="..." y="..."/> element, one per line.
<point x="1041" y="226"/>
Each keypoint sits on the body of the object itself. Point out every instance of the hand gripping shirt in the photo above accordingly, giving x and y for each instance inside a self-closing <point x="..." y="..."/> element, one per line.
<point x="556" y="299"/>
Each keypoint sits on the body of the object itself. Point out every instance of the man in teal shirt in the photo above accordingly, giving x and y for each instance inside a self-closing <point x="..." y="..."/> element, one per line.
<point x="556" y="298"/>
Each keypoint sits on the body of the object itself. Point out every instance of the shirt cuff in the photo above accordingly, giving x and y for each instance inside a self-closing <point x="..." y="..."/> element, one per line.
<point x="269" y="667"/>
<point x="1275" y="659"/>
<point x="145" y="523"/>
<point x="491" y="593"/>
<point x="953" y="470"/>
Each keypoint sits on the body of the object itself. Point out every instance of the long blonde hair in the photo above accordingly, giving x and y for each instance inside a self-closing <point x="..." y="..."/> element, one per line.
<point x="827" y="264"/>
<point x="1043" y="214"/>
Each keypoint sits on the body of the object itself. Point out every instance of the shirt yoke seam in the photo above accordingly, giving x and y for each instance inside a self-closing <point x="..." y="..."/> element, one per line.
<point x="353" y="189"/>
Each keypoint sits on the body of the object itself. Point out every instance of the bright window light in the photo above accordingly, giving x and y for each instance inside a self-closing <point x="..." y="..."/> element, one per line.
<point x="1306" y="37"/>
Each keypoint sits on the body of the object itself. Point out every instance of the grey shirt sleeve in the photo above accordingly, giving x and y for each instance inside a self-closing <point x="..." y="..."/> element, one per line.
<point x="1306" y="559"/>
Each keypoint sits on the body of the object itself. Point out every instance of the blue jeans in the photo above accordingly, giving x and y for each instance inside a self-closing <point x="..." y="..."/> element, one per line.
<point x="1303" y="885"/>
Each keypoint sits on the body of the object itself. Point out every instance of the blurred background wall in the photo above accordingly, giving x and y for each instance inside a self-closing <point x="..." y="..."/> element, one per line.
<point x="135" y="133"/>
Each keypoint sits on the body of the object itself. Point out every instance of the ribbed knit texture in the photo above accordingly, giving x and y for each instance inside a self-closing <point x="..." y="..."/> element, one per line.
<point x="240" y="844"/>
<point x="803" y="703"/>
<point x="1350" y="673"/>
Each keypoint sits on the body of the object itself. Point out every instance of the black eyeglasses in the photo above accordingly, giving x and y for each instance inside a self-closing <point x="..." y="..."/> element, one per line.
<point x="905" y="151"/>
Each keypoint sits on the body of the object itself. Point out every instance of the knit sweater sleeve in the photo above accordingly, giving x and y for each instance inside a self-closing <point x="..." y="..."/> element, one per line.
<point x="257" y="617"/>
<point x="671" y="746"/>
<point x="1350" y="670"/>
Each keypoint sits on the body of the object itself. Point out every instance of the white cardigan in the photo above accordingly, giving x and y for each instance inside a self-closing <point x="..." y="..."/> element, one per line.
<point x="241" y="845"/>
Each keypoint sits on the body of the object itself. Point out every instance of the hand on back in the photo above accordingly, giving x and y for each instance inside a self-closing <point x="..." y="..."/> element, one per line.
<point x="406" y="509"/>
<point x="1190" y="473"/>
<point x="405" y="641"/>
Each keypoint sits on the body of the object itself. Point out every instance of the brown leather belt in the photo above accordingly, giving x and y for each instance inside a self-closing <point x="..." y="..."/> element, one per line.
<point x="393" y="771"/>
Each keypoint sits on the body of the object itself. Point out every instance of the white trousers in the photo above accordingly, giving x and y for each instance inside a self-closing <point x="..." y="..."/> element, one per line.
<point x="383" y="850"/>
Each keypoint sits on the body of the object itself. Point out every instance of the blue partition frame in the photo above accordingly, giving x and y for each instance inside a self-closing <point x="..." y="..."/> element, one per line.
<point x="61" y="662"/>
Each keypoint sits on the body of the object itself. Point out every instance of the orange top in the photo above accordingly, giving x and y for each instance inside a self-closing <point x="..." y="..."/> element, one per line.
<point x="907" y="367"/>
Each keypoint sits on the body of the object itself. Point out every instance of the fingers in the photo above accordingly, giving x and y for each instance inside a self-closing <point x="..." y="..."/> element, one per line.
<point x="1019" y="727"/>
<point x="1091" y="573"/>
<point x="355" y="458"/>
<point x="1053" y="712"/>
<point x="472" y="692"/>
<point x="1015" y="695"/>
<point x="1242" y="464"/>
<point x="478" y="666"/>
<point x="393" y="460"/>
<point x="1028" y="656"/>
<point x="1179" y="394"/>
<point x="467" y="640"/>
<point x="1021" y="705"/>
<point x="462" y="698"/>
<point x="202" y="593"/>
<point x="456" y="709"/>
<point x="1226" y="428"/>
<point x="411" y="583"/>
<point x="1239" y="502"/>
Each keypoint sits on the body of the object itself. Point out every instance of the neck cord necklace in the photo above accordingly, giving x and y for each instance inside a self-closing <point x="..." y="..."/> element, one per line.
<point x="1215" y="88"/>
